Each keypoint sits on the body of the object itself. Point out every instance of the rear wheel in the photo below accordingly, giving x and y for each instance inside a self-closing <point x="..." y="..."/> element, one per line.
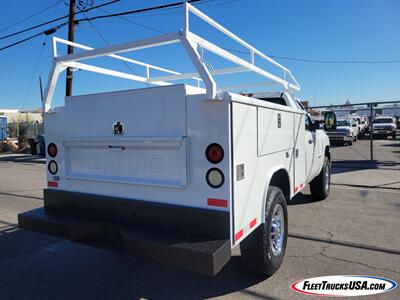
<point x="320" y="185"/>
<point x="263" y="250"/>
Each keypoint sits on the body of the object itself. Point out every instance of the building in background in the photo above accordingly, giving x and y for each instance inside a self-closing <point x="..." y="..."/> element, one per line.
<point x="28" y="123"/>
<point x="17" y="116"/>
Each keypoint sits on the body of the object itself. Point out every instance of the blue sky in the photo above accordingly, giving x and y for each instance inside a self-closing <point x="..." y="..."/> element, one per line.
<point x="319" y="30"/>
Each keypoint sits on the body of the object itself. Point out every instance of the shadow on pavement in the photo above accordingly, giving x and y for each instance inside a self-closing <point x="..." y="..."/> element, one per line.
<point x="34" y="265"/>
<point x="301" y="199"/>
<point x="353" y="165"/>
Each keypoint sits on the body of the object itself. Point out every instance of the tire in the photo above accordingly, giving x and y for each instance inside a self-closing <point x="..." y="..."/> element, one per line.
<point x="320" y="185"/>
<point x="394" y="135"/>
<point x="350" y="143"/>
<point x="259" y="253"/>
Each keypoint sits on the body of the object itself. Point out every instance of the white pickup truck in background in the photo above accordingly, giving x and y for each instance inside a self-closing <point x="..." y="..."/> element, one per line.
<point x="178" y="173"/>
<point x="385" y="126"/>
<point x="346" y="131"/>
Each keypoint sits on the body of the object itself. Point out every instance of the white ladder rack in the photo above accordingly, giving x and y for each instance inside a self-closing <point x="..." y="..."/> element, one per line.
<point x="190" y="41"/>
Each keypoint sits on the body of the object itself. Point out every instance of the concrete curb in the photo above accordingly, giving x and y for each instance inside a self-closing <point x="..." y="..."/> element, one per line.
<point x="23" y="158"/>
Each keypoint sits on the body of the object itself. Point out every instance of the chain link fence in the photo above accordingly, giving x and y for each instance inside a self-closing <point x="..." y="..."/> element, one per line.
<point x="30" y="129"/>
<point x="24" y="137"/>
<point x="367" y="134"/>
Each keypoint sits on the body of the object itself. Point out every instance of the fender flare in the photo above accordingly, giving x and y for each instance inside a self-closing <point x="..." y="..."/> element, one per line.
<point x="265" y="190"/>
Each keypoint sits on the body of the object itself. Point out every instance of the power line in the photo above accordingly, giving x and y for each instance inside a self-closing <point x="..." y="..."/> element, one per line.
<point x="21" y="41"/>
<point x="204" y="2"/>
<point x="54" y="29"/>
<point x="105" y="41"/>
<point x="337" y="61"/>
<point x="31" y="16"/>
<point x="138" y="24"/>
<point x="322" y="61"/>
<point x="136" y="11"/>
<point x="54" y="20"/>
<point x="33" y="75"/>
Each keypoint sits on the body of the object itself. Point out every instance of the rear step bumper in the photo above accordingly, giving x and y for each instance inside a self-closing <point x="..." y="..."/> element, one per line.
<point x="197" y="252"/>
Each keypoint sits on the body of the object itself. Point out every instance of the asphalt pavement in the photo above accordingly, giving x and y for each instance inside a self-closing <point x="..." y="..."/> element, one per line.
<point x="355" y="231"/>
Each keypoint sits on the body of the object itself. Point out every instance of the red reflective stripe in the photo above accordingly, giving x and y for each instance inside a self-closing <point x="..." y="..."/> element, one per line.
<point x="253" y="222"/>
<point x="217" y="202"/>
<point x="52" y="184"/>
<point x="239" y="234"/>
<point x="301" y="185"/>
<point x="296" y="189"/>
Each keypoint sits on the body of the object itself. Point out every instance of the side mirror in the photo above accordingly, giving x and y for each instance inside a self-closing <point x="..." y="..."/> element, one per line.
<point x="330" y="121"/>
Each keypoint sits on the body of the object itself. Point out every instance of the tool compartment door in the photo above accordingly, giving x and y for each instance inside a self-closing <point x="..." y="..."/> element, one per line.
<point x="299" y="153"/>
<point x="244" y="154"/>
<point x="151" y="161"/>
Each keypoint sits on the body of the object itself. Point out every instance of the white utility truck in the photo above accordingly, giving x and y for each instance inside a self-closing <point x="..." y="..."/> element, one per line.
<point x="178" y="173"/>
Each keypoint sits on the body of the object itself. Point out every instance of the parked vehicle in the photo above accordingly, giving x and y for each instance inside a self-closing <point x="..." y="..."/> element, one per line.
<point x="384" y="126"/>
<point x="178" y="173"/>
<point x="319" y="123"/>
<point x="361" y="124"/>
<point x="397" y="121"/>
<point x="365" y="121"/>
<point x="346" y="131"/>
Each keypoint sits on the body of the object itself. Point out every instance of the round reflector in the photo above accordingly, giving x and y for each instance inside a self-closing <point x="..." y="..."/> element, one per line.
<point x="215" y="178"/>
<point x="214" y="153"/>
<point x="52" y="149"/>
<point x="53" y="168"/>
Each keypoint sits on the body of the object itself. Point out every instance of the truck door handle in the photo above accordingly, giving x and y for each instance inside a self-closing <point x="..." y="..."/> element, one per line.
<point x="116" y="147"/>
<point x="310" y="141"/>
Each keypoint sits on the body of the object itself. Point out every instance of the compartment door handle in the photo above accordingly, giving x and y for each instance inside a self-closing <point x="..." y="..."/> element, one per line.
<point x="116" y="147"/>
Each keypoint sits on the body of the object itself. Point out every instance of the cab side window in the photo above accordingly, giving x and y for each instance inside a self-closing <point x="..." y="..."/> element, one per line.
<point x="308" y="123"/>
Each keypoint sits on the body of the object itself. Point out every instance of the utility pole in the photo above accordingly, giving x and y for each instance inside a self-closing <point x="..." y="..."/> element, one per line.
<point x="41" y="88"/>
<point x="371" y="132"/>
<point x="71" y="32"/>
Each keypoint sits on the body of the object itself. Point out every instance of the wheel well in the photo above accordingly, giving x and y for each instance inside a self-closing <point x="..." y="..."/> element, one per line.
<point x="281" y="180"/>
<point x="327" y="152"/>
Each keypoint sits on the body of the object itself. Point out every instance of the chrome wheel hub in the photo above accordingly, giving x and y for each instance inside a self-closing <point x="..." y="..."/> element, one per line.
<point x="327" y="179"/>
<point x="277" y="234"/>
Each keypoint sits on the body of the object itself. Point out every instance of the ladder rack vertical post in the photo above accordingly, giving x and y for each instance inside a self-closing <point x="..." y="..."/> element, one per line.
<point x="147" y="72"/>
<point x="185" y="19"/>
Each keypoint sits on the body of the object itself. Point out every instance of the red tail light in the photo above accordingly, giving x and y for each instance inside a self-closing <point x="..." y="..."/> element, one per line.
<point x="52" y="149"/>
<point x="214" y="153"/>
